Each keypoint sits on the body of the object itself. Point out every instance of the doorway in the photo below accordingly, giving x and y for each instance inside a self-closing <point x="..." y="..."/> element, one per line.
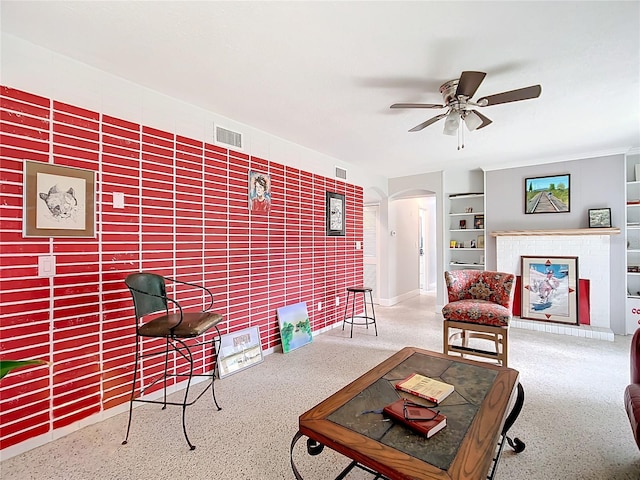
<point x="427" y="245"/>
<point x="371" y="214"/>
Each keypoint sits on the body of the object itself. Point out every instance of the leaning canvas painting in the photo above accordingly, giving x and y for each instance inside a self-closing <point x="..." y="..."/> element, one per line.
<point x="295" y="328"/>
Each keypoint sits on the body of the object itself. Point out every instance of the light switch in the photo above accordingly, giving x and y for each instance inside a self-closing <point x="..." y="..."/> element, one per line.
<point x="118" y="200"/>
<point x="46" y="266"/>
<point x="358" y="245"/>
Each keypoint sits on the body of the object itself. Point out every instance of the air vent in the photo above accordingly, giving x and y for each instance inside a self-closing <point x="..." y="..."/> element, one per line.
<point x="341" y="173"/>
<point x="228" y="137"/>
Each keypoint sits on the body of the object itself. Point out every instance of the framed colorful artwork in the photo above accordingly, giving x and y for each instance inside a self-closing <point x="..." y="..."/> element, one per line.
<point x="547" y="194"/>
<point x="259" y="192"/>
<point x="58" y="201"/>
<point x="295" y="328"/>
<point x="239" y="350"/>
<point x="335" y="213"/>
<point x="550" y="289"/>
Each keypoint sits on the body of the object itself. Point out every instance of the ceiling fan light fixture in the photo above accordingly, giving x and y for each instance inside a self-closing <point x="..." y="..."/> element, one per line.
<point x="451" y="123"/>
<point x="472" y="121"/>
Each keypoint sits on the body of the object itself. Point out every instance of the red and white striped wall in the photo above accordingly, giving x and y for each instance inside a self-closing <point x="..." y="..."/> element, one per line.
<point x="185" y="215"/>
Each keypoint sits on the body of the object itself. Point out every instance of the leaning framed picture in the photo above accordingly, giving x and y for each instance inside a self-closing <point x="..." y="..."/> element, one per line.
<point x="335" y="212"/>
<point x="550" y="289"/>
<point x="599" y="218"/>
<point x="547" y="194"/>
<point x="58" y="201"/>
<point x="239" y="350"/>
<point x="295" y="327"/>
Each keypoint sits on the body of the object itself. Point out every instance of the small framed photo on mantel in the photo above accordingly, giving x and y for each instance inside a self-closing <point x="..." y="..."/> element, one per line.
<point x="599" y="218"/>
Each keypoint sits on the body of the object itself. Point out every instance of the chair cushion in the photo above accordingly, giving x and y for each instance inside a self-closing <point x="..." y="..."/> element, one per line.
<point x="632" y="406"/>
<point x="477" y="311"/>
<point x="193" y="324"/>
<point x="496" y="287"/>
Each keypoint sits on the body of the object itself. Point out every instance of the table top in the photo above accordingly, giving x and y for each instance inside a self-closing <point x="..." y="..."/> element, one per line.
<point x="464" y="449"/>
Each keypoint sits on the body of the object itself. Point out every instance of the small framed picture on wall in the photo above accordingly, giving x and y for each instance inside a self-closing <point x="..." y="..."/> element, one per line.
<point x="58" y="201"/>
<point x="259" y="192"/>
<point x="335" y="206"/>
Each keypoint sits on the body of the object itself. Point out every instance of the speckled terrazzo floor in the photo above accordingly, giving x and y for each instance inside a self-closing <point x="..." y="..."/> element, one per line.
<point x="573" y="421"/>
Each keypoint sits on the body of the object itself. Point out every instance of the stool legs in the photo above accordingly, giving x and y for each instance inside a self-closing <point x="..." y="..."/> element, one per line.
<point x="373" y="312"/>
<point x="346" y="306"/>
<point x="367" y="319"/>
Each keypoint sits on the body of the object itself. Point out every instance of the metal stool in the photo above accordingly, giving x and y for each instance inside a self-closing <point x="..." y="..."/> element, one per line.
<point x="367" y="320"/>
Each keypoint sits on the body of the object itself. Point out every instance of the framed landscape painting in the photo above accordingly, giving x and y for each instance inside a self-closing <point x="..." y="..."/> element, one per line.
<point x="550" y="289"/>
<point x="295" y="328"/>
<point x="547" y="194"/>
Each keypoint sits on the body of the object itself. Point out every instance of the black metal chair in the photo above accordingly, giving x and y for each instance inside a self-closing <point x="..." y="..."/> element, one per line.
<point x="180" y="328"/>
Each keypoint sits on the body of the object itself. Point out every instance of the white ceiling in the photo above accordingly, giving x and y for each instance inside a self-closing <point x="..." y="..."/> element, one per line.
<point x="323" y="74"/>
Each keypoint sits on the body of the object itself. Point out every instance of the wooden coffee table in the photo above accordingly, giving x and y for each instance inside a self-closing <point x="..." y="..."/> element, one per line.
<point x="469" y="447"/>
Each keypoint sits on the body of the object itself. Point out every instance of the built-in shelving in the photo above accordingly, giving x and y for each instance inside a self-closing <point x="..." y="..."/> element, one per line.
<point x="632" y="233"/>
<point x="466" y="234"/>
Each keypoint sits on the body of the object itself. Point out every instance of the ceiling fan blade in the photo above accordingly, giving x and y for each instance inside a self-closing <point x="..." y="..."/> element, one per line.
<point x="512" y="96"/>
<point x="417" y="128"/>
<point x="416" y="105"/>
<point x="485" y="121"/>
<point x="469" y="83"/>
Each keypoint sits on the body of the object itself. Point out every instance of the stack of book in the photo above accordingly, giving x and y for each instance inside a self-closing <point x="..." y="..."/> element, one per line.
<point x="420" y="418"/>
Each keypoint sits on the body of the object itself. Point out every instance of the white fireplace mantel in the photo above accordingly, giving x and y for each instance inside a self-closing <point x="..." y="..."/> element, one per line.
<point x="565" y="231"/>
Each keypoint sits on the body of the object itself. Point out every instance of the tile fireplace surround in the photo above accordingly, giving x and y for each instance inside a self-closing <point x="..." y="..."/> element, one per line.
<point x="592" y="249"/>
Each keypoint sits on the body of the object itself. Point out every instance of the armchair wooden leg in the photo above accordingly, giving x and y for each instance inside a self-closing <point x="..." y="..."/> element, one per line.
<point x="445" y="337"/>
<point x="505" y="348"/>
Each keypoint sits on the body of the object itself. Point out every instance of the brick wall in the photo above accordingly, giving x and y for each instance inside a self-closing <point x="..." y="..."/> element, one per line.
<point x="186" y="215"/>
<point x="593" y="264"/>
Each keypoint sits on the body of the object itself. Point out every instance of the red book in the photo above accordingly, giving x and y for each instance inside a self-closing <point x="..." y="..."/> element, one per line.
<point x="413" y="416"/>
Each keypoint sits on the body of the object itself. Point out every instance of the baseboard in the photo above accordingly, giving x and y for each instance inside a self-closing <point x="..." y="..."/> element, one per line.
<point x="390" y="302"/>
<point x="52" y="435"/>
<point x="586" y="331"/>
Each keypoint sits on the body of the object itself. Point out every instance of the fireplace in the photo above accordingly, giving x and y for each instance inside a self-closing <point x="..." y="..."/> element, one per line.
<point x="591" y="246"/>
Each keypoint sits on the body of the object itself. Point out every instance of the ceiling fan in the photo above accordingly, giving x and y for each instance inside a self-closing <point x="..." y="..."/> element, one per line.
<point x="456" y="95"/>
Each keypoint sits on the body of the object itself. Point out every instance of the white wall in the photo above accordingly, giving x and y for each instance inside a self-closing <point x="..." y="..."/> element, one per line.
<point x="28" y="67"/>
<point x="404" y="272"/>
<point x="428" y="207"/>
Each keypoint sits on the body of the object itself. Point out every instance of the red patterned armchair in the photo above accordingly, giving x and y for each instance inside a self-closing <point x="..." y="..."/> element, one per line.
<point x="480" y="304"/>
<point x="632" y="392"/>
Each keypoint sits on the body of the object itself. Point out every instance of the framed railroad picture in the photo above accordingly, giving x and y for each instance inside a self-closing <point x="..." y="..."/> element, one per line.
<point x="547" y="194"/>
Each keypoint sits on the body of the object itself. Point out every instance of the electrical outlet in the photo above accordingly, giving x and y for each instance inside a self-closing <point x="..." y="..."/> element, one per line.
<point x="337" y="301"/>
<point x="319" y="306"/>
